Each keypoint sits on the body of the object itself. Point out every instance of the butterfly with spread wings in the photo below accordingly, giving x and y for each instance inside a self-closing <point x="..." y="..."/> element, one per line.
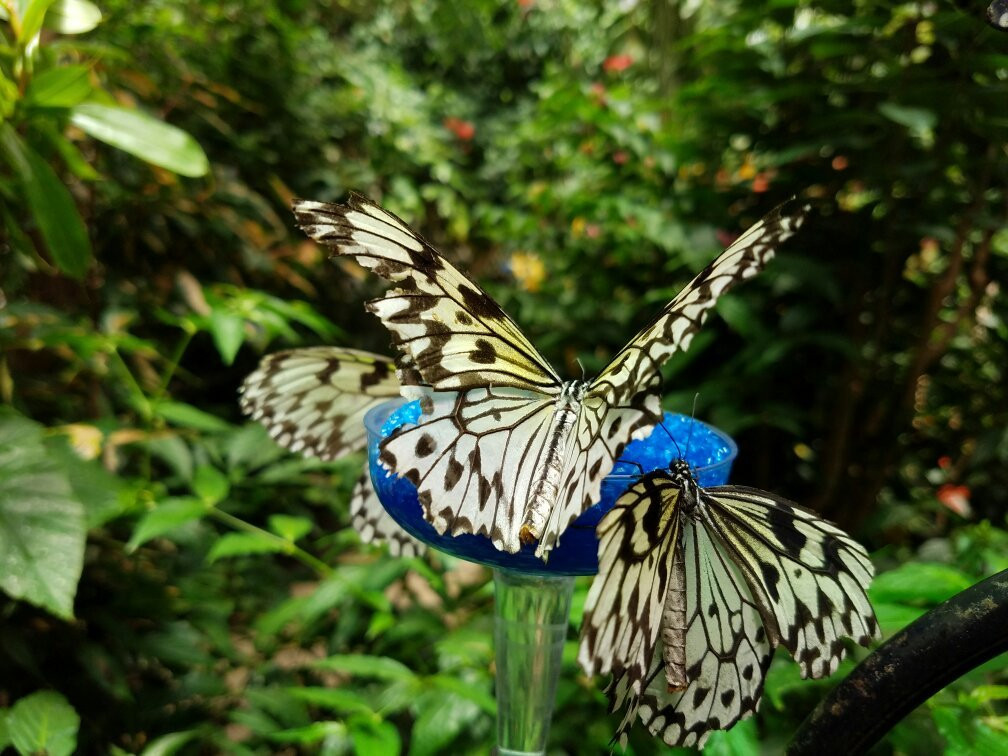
<point x="697" y="587"/>
<point x="505" y="448"/>
<point x="313" y="401"/>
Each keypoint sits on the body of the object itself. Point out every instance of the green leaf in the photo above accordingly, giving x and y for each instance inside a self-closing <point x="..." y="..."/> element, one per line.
<point x="187" y="416"/>
<point x="442" y="718"/>
<point x="312" y="733"/>
<point x="210" y="484"/>
<point x="374" y="736"/>
<point x="4" y="731"/>
<point x="61" y="87"/>
<point x="290" y="528"/>
<point x="918" y="120"/>
<point x="142" y="135"/>
<point x="477" y="693"/>
<point x="378" y="667"/>
<point x="168" y="744"/>
<point x="73" y="17"/>
<point x="50" y="204"/>
<point x="740" y="740"/>
<point x="950" y="726"/>
<point x="228" y="331"/>
<point x="43" y="722"/>
<point x="244" y="544"/>
<point x="168" y="515"/>
<point x="927" y="582"/>
<point x="42" y="528"/>
<point x="337" y="699"/>
<point x="31" y="19"/>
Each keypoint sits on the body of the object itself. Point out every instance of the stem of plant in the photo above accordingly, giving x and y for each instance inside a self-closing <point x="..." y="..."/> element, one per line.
<point x="288" y="547"/>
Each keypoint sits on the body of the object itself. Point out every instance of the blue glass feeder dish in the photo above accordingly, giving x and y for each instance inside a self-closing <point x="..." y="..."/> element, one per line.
<point x="708" y="450"/>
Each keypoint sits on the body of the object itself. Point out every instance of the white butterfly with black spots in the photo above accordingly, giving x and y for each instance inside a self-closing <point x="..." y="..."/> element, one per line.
<point x="505" y="448"/>
<point x="313" y="401"/>
<point x="697" y="587"/>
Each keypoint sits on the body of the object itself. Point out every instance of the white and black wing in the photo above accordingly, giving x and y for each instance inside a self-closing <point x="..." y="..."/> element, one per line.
<point x="313" y="400"/>
<point x="473" y="458"/>
<point x="374" y="525"/>
<point x="623" y="611"/>
<point x="810" y="577"/>
<point x="456" y="335"/>
<point x="672" y="330"/>
<point x="727" y="653"/>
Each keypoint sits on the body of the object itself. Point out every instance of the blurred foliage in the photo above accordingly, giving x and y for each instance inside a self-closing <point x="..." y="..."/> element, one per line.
<point x="174" y="582"/>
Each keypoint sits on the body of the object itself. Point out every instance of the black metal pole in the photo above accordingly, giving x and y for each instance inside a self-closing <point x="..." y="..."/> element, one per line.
<point x="951" y="639"/>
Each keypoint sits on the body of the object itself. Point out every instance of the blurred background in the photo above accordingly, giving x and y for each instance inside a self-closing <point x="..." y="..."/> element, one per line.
<point x="173" y="582"/>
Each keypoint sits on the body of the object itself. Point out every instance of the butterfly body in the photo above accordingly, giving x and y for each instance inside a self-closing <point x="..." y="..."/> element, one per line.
<point x="547" y="478"/>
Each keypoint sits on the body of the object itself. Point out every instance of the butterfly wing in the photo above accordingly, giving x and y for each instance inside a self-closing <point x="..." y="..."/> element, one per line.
<point x="473" y="457"/>
<point x="374" y="524"/>
<point x="623" y="611"/>
<point x="641" y="359"/>
<point x="810" y="578"/>
<point x="313" y="401"/>
<point x="456" y="335"/>
<point x="727" y="653"/>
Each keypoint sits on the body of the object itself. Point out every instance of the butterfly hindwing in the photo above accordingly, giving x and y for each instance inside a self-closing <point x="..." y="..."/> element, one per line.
<point x="472" y="459"/>
<point x="374" y="525"/>
<point x="313" y="400"/>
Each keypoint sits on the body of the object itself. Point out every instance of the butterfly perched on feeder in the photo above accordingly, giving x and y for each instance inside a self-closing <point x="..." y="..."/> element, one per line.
<point x="696" y="588"/>
<point x="506" y="448"/>
<point x="313" y="401"/>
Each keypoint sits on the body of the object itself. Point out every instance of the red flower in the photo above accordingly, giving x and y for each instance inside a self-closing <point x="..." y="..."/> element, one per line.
<point x="464" y="130"/>
<point x="620" y="157"/>
<point x="617" y="63"/>
<point x="944" y="462"/>
<point x="955" y="498"/>
<point x="760" y="183"/>
<point x="839" y="163"/>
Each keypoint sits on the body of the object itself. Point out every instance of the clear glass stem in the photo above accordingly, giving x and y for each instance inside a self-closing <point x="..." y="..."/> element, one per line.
<point x="530" y="626"/>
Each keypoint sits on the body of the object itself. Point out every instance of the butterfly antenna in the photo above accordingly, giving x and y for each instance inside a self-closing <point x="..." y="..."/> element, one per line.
<point x="674" y="442"/>
<point x="689" y="436"/>
<point x="580" y="365"/>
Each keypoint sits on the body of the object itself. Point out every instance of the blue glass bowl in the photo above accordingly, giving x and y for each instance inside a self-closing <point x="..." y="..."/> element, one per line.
<point x="708" y="450"/>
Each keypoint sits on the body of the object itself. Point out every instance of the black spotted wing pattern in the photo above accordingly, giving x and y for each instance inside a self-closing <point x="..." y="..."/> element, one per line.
<point x="313" y="401"/>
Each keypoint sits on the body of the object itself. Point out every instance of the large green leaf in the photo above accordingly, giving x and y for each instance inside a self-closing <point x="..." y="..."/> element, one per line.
<point x="926" y="582"/>
<point x="142" y="135"/>
<point x="43" y="723"/>
<point x="42" y="527"/>
<point x="61" y="87"/>
<point x="50" y="204"/>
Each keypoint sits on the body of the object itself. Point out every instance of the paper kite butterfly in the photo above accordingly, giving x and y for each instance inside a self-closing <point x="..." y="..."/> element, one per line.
<point x="506" y="448"/>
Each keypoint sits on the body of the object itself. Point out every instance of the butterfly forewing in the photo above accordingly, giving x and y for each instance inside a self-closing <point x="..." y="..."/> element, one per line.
<point x="374" y="525"/>
<point x="457" y="336"/>
<point x="674" y="327"/>
<point x="809" y="575"/>
<point x="314" y="400"/>
<point x="620" y="628"/>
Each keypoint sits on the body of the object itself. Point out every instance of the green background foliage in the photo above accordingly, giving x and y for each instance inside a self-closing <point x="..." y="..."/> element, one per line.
<point x="173" y="582"/>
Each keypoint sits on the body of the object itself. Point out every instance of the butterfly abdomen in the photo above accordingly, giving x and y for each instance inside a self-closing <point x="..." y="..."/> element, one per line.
<point x="673" y="625"/>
